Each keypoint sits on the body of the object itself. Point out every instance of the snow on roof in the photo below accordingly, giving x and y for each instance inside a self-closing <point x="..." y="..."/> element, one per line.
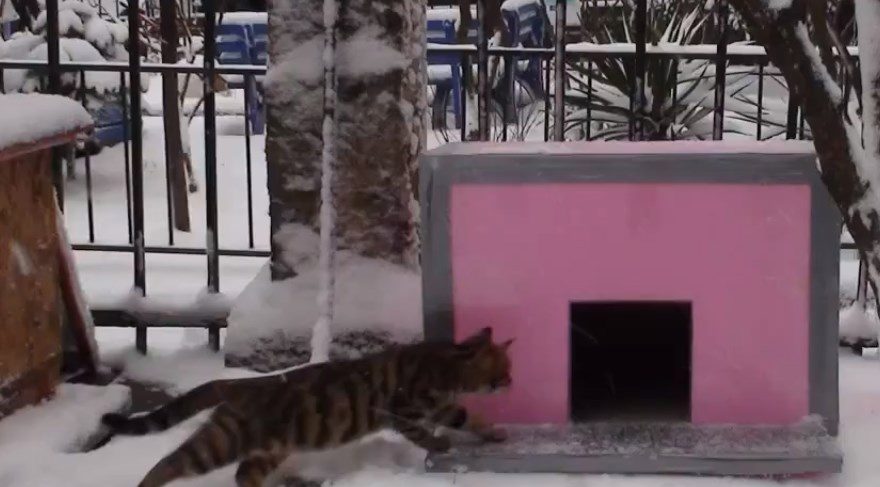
<point x="245" y="18"/>
<point x="616" y="147"/>
<point x="26" y="118"/>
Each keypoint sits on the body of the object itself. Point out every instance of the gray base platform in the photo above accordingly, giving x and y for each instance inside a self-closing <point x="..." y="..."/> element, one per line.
<point x="650" y="448"/>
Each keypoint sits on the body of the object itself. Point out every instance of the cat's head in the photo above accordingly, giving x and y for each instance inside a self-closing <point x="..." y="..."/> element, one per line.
<point x="484" y="366"/>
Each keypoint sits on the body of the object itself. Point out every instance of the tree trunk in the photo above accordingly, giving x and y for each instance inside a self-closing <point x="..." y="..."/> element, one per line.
<point x="380" y="113"/>
<point x="174" y="154"/>
<point x="847" y="168"/>
<point x="381" y="108"/>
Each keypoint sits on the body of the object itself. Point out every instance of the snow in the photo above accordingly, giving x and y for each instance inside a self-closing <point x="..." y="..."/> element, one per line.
<point x="646" y="147"/>
<point x="516" y="4"/>
<point x="778" y="4"/>
<point x="371" y="294"/>
<point x="321" y="334"/>
<point x="54" y="428"/>
<point x="77" y="18"/>
<point x="32" y="117"/>
<point x="245" y="18"/>
<point x="857" y="322"/>
<point x="300" y="64"/>
<point x="203" y="303"/>
<point x="174" y="369"/>
<point x="366" y="54"/>
<point x="87" y="37"/>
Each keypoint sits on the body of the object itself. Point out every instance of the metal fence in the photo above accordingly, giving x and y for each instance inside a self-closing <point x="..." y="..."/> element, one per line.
<point x="556" y="64"/>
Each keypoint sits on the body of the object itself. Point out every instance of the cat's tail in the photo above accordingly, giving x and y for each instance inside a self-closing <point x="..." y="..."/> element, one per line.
<point x="175" y="411"/>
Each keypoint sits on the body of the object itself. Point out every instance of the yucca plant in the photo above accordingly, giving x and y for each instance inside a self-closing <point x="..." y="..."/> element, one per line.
<point x="679" y="94"/>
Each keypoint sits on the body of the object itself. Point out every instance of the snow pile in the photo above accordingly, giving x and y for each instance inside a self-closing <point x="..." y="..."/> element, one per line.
<point x="86" y="37"/>
<point x="858" y="323"/>
<point x="271" y="322"/>
<point x="29" y="118"/>
<point x="175" y="371"/>
<point x="62" y="424"/>
<point x="204" y="303"/>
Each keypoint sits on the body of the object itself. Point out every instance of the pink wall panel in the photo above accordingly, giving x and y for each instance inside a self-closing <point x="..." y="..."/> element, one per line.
<point x="740" y="253"/>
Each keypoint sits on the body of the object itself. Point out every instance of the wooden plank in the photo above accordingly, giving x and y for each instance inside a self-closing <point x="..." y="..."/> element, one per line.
<point x="30" y="319"/>
<point x="155" y="319"/>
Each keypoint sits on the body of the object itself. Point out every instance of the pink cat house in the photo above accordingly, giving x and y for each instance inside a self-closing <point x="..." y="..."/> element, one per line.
<point x="674" y="305"/>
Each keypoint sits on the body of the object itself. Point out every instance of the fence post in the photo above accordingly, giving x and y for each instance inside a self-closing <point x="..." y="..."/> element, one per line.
<point x="211" y="164"/>
<point x="137" y="161"/>
<point x="559" y="74"/>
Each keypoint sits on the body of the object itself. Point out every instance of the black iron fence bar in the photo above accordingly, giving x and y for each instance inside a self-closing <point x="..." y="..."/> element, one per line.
<point x="126" y="132"/>
<point x="760" y="101"/>
<point x="53" y="58"/>
<point x="674" y="69"/>
<point x="791" y="118"/>
<point x="90" y="209"/>
<point x="589" y="131"/>
<point x="466" y="75"/>
<point x="172" y="250"/>
<point x="249" y="81"/>
<point x="483" y="101"/>
<point x="210" y="119"/>
<point x="547" y="99"/>
<point x="720" y="71"/>
<point x="559" y="74"/>
<point x="637" y="87"/>
<point x="137" y="164"/>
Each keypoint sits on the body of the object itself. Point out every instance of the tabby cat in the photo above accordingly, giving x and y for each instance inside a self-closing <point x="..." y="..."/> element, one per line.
<point x="259" y="421"/>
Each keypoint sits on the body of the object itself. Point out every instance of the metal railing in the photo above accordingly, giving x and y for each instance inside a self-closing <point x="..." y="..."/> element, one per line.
<point x="555" y="66"/>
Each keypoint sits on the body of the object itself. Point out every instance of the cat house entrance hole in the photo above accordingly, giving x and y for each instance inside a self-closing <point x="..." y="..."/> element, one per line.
<point x="630" y="361"/>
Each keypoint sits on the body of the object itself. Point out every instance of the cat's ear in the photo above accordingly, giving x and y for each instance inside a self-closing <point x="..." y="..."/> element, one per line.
<point x="506" y="344"/>
<point x="478" y="339"/>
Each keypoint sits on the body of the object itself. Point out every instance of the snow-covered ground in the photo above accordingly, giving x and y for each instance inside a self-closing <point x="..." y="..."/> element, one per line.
<point x="38" y="444"/>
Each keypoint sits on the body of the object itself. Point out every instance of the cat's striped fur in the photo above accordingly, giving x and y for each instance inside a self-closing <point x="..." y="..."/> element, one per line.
<point x="260" y="421"/>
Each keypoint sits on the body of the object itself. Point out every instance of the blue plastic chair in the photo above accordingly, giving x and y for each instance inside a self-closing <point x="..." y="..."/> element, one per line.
<point x="235" y="45"/>
<point x="443" y="32"/>
<point x="260" y="51"/>
<point x="110" y="124"/>
<point x="527" y="24"/>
